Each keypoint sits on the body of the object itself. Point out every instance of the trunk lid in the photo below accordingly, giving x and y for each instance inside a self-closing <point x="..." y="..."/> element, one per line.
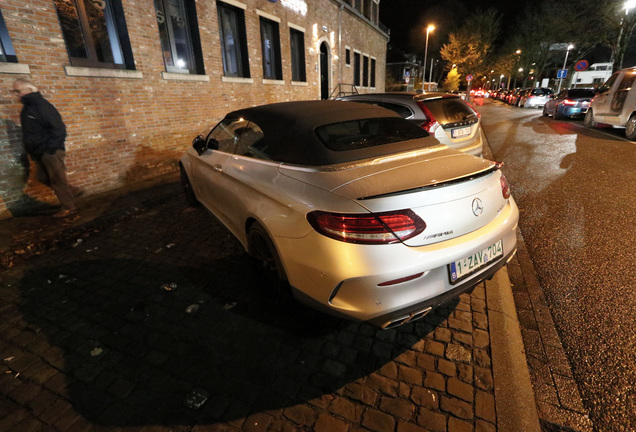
<point x="454" y="193"/>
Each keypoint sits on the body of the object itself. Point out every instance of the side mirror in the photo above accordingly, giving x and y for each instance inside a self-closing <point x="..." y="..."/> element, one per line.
<point x="199" y="144"/>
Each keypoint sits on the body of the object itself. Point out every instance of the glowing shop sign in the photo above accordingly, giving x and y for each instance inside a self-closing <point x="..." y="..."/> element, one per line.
<point x="296" y="5"/>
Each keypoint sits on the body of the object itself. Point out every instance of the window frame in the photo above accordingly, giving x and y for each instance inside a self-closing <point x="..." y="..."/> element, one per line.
<point x="7" y="53"/>
<point x="356" y="67"/>
<point x="372" y="72"/>
<point x="241" y="59"/>
<point x="365" y="70"/>
<point x="117" y="34"/>
<point x="298" y="62"/>
<point x="272" y="69"/>
<point x="194" y="63"/>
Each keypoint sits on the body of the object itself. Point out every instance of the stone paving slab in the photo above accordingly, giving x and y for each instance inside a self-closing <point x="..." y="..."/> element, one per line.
<point x="102" y="335"/>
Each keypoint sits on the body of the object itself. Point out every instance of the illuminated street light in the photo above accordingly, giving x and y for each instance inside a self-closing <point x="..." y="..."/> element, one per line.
<point x="518" y="52"/>
<point x="564" y="62"/>
<point x="629" y="4"/>
<point x="429" y="29"/>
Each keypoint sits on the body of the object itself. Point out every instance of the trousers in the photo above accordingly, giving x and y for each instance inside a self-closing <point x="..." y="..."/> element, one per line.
<point x="51" y="171"/>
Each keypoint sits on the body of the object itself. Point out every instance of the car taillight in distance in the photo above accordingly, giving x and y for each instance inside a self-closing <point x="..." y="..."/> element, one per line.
<point x="431" y="123"/>
<point x="368" y="228"/>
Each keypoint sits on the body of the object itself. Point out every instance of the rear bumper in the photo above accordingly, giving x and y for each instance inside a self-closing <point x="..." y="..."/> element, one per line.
<point x="392" y="284"/>
<point x="419" y="310"/>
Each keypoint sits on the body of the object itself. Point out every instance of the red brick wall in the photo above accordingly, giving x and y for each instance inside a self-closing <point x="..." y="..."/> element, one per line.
<point x="123" y="130"/>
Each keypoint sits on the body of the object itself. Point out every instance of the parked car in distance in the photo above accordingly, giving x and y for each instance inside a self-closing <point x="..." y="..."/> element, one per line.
<point x="447" y="117"/>
<point x="615" y="103"/>
<point x="352" y="209"/>
<point x="520" y="96"/>
<point x="569" y="103"/>
<point x="537" y="97"/>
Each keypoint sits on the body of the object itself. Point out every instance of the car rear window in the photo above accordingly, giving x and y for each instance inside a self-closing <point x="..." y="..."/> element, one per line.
<point x="402" y="110"/>
<point x="358" y="134"/>
<point x="541" y="92"/>
<point x="449" y="110"/>
<point x="580" y="93"/>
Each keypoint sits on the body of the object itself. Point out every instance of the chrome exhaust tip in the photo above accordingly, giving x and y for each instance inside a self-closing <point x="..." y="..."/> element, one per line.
<point x="396" y="322"/>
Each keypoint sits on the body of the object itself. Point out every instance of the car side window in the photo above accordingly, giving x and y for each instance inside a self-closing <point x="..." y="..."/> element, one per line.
<point x="251" y="142"/>
<point x="226" y="134"/>
<point x="627" y="81"/>
<point x="608" y="84"/>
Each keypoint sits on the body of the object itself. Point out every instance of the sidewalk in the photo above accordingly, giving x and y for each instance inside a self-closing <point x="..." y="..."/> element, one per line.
<point x="22" y="237"/>
<point x="513" y="406"/>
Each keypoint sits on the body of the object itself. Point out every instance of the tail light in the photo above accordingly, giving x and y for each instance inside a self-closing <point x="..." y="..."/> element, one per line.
<point x="370" y="228"/>
<point x="505" y="186"/>
<point x="431" y="123"/>
<point x="569" y="102"/>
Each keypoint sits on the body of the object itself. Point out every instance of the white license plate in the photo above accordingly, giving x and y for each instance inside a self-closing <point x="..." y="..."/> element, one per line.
<point x="456" y="133"/>
<point x="466" y="266"/>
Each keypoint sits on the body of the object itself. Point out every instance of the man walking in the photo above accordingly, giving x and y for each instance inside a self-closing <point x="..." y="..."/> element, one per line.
<point x="44" y="133"/>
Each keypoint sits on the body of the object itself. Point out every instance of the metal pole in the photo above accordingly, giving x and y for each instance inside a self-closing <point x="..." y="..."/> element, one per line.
<point x="430" y="76"/>
<point x="424" y="65"/>
<point x="564" y="62"/>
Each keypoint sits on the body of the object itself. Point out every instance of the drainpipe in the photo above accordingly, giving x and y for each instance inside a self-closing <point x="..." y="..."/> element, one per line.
<point x="340" y="43"/>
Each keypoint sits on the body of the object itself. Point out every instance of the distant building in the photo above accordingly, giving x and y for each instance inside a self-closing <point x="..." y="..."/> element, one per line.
<point x="596" y="74"/>
<point x="136" y="80"/>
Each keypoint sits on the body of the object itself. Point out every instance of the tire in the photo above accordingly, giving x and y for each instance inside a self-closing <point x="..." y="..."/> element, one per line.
<point x="545" y="113"/>
<point x="262" y="249"/>
<point x="191" y="198"/>
<point x="630" y="128"/>
<point x="588" y="121"/>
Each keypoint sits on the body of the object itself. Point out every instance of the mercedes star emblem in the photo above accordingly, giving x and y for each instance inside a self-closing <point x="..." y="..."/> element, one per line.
<point x="478" y="207"/>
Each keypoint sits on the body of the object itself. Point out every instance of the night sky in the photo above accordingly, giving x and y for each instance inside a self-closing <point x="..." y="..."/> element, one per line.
<point x="407" y="19"/>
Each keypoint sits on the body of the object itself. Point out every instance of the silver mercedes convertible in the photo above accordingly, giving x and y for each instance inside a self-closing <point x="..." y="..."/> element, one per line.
<point x="351" y="209"/>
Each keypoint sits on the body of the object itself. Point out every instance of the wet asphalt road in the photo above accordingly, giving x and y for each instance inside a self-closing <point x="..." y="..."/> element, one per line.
<point x="575" y="189"/>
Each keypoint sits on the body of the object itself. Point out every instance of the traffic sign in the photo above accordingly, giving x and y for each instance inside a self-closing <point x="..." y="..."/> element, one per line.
<point x="563" y="73"/>
<point x="407" y="79"/>
<point x="581" y="65"/>
<point x="469" y="77"/>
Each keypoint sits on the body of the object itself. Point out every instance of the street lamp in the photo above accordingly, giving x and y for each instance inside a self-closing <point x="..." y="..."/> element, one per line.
<point x="429" y="29"/>
<point x="518" y="52"/>
<point x="564" y="62"/>
<point x="629" y="4"/>
<point x="500" y="78"/>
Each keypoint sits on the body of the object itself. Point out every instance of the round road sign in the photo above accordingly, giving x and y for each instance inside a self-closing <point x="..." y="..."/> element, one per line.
<point x="469" y="77"/>
<point x="581" y="65"/>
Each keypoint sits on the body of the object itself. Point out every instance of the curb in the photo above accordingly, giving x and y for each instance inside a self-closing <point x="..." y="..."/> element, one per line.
<point x="514" y="397"/>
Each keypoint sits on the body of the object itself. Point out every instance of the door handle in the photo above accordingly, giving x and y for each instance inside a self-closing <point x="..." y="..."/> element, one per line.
<point x="218" y="168"/>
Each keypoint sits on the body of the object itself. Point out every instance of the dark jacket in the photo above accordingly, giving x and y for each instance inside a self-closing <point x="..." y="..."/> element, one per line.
<point x="43" y="130"/>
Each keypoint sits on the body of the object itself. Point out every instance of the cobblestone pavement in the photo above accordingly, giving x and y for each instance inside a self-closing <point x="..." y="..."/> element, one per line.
<point x="158" y="321"/>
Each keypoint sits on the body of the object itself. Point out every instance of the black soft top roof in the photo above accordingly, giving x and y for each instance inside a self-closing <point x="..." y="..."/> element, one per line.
<point x="289" y="130"/>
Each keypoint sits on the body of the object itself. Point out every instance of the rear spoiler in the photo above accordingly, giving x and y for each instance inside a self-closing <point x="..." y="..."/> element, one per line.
<point x="468" y="177"/>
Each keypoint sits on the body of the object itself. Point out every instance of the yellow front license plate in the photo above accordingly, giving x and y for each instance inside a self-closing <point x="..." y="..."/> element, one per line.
<point x="464" y="267"/>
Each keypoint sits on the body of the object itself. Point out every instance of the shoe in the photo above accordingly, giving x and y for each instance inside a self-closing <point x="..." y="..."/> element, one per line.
<point x="77" y="192"/>
<point x="64" y="213"/>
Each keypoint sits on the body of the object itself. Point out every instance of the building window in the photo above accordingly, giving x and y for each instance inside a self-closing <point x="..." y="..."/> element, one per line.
<point x="375" y="11"/>
<point x="356" y="68"/>
<point x="270" y="42"/>
<point x="348" y="56"/>
<point x="372" y="72"/>
<point x="297" y="42"/>
<point x="7" y="54"/>
<point x="233" y="41"/>
<point x="95" y="33"/>
<point x="179" y="33"/>
<point x="365" y="71"/>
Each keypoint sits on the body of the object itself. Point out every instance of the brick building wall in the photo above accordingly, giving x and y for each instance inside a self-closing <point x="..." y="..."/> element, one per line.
<point x="127" y="126"/>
